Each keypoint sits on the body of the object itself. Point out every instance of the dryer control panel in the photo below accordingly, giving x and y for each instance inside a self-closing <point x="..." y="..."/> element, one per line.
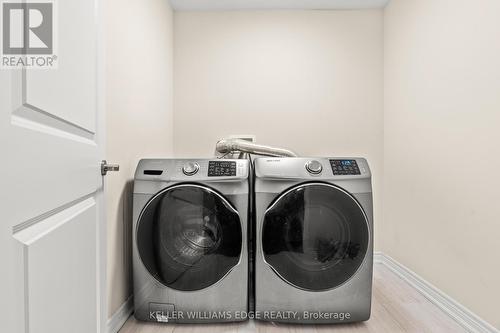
<point x="345" y="167"/>
<point x="316" y="168"/>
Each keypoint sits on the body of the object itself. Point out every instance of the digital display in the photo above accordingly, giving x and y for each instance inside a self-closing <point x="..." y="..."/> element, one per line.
<point x="345" y="167"/>
<point x="221" y="168"/>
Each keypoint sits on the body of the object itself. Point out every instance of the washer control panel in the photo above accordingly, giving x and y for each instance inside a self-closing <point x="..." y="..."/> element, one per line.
<point x="193" y="170"/>
<point x="345" y="167"/>
<point x="221" y="168"/>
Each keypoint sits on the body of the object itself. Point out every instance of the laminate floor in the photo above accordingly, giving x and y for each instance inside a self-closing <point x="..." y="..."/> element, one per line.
<point x="396" y="307"/>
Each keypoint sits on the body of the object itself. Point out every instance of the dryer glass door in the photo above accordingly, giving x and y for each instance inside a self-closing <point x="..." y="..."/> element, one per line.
<point x="315" y="236"/>
<point x="189" y="237"/>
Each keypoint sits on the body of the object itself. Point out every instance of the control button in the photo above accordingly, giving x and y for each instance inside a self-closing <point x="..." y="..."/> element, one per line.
<point x="190" y="168"/>
<point x="314" y="167"/>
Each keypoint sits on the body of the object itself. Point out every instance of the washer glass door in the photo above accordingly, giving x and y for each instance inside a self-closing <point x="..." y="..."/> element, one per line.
<point x="315" y="236"/>
<point x="189" y="237"/>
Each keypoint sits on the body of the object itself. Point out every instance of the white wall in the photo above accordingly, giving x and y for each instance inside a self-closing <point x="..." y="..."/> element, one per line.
<point x="139" y="74"/>
<point x="442" y="146"/>
<point x="311" y="81"/>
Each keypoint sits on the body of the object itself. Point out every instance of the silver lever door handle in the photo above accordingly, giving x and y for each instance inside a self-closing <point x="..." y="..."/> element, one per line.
<point x="105" y="167"/>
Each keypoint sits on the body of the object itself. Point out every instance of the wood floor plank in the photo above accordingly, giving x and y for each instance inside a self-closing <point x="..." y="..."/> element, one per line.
<point x="396" y="307"/>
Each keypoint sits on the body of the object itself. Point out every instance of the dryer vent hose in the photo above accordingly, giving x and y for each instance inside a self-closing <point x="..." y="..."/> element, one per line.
<point x="228" y="146"/>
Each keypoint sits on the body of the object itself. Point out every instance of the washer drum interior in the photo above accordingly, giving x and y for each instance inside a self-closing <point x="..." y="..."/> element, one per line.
<point x="189" y="237"/>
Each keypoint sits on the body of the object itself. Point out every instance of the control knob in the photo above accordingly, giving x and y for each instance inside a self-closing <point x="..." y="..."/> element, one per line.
<point x="190" y="168"/>
<point x="314" y="167"/>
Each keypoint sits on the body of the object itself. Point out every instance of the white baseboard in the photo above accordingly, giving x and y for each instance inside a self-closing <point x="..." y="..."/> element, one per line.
<point x="452" y="308"/>
<point x="120" y="316"/>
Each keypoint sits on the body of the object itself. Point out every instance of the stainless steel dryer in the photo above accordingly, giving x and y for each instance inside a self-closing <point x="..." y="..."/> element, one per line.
<point x="314" y="240"/>
<point x="190" y="240"/>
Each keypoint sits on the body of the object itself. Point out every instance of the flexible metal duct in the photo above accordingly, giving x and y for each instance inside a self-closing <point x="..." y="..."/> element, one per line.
<point x="228" y="146"/>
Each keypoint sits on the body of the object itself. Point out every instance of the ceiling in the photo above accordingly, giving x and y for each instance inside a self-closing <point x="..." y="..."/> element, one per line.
<point x="275" y="4"/>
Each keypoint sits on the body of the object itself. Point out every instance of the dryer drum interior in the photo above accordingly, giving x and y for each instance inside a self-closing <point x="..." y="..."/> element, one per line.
<point x="189" y="237"/>
<point x="315" y="236"/>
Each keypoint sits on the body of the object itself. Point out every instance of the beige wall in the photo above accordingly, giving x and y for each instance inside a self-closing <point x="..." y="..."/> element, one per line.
<point x="139" y="102"/>
<point x="442" y="146"/>
<point x="307" y="80"/>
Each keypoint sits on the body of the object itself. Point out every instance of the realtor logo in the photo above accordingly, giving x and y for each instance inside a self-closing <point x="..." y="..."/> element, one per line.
<point x="28" y="34"/>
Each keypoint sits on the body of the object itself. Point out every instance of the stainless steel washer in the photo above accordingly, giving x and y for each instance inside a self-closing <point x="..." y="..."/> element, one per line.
<point x="190" y="257"/>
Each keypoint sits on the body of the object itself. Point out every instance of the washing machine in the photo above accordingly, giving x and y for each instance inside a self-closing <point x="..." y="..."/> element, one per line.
<point x="190" y="256"/>
<point x="314" y="240"/>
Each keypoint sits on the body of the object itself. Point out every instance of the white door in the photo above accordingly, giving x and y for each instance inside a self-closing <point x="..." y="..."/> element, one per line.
<point x="52" y="230"/>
